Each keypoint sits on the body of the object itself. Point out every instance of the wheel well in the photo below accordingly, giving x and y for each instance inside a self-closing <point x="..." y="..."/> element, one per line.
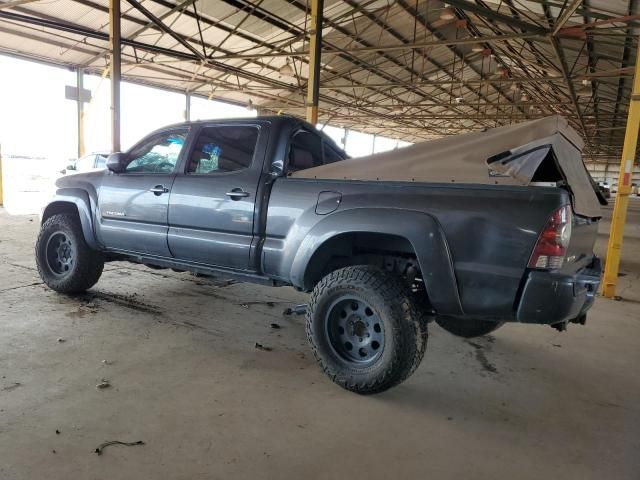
<point x="390" y="252"/>
<point x="59" y="207"/>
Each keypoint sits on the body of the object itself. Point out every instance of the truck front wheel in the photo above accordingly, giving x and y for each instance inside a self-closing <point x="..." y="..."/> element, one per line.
<point x="467" y="327"/>
<point x="367" y="332"/>
<point x="65" y="262"/>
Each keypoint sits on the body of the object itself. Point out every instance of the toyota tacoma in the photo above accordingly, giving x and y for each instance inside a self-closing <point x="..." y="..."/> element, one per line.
<point x="471" y="231"/>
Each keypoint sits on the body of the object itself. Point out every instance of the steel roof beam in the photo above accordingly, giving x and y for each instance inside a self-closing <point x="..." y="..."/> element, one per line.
<point x="408" y="85"/>
<point x="557" y="48"/>
<point x="494" y="15"/>
<point x="385" y="48"/>
<point x="423" y="21"/>
<point x="279" y="23"/>
<point x="565" y="16"/>
<point x="14" y="3"/>
<point x="160" y="24"/>
<point x="626" y="52"/>
<point x="373" y="18"/>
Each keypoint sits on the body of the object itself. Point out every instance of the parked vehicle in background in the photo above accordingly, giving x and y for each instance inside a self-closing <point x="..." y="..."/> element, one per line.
<point x="604" y="189"/>
<point x="87" y="163"/>
<point x="458" y="234"/>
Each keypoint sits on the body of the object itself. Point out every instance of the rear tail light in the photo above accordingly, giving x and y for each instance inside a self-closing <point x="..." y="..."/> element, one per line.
<point x="552" y="243"/>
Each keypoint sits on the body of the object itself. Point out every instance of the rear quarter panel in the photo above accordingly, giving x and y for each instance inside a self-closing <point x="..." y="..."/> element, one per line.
<point x="488" y="232"/>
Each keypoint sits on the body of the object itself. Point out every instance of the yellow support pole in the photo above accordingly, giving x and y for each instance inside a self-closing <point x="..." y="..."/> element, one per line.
<point x="315" y="49"/>
<point x="624" y="188"/>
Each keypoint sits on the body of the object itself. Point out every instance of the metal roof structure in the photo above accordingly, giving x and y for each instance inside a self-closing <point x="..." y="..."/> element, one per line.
<point x="409" y="69"/>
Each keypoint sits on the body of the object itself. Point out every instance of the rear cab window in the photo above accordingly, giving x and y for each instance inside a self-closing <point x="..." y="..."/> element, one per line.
<point x="308" y="150"/>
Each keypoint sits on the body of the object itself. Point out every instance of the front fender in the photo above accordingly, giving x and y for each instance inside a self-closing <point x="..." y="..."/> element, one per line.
<point x="80" y="198"/>
<point x="420" y="229"/>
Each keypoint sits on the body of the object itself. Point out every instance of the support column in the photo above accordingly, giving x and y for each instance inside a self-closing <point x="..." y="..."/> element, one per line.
<point x="315" y="54"/>
<point x="80" y="104"/>
<point x="187" y="107"/>
<point x="115" y="67"/>
<point x="624" y="188"/>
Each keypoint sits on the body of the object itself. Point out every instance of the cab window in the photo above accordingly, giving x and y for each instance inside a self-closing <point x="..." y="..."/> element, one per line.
<point x="223" y="148"/>
<point x="331" y="155"/>
<point x="158" y="154"/>
<point x="305" y="152"/>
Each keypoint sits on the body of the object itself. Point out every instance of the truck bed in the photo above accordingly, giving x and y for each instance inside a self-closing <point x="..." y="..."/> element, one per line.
<point x="488" y="232"/>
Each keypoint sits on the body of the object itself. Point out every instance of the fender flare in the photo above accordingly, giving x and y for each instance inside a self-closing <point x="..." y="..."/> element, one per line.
<point x="421" y="230"/>
<point x="79" y="198"/>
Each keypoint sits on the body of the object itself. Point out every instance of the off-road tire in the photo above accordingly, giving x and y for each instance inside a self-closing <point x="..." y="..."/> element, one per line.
<point x="404" y="327"/>
<point x="86" y="266"/>
<point x="468" y="328"/>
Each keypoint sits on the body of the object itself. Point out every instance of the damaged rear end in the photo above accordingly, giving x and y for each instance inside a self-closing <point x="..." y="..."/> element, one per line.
<point x="563" y="273"/>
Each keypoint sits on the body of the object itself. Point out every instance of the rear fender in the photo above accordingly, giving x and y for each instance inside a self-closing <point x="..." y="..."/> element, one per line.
<point x="421" y="230"/>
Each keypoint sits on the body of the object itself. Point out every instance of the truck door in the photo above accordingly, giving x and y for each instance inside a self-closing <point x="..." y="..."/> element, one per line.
<point x="133" y="205"/>
<point x="212" y="204"/>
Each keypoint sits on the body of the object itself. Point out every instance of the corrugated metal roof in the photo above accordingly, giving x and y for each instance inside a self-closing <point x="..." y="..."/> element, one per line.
<point x="386" y="66"/>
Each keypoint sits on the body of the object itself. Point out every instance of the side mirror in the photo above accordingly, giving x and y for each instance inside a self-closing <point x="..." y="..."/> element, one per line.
<point x="116" y="162"/>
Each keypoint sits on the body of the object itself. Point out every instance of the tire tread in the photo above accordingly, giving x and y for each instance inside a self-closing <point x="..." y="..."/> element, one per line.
<point x="89" y="263"/>
<point x="393" y="292"/>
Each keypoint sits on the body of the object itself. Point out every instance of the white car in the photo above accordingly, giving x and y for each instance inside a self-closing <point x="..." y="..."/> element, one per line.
<point x="88" y="162"/>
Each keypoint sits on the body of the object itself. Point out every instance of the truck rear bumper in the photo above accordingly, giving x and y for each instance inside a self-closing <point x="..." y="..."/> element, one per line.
<point x="551" y="297"/>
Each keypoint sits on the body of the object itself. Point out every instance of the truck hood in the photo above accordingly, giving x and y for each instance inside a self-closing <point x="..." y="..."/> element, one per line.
<point x="82" y="179"/>
<point x="509" y="155"/>
<point x="75" y="179"/>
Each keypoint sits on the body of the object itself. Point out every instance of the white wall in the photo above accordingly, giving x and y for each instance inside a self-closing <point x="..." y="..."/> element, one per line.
<point x="602" y="172"/>
<point x="203" y="109"/>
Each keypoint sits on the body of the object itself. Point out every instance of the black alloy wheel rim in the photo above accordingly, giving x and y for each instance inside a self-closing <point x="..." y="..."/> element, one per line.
<point x="355" y="330"/>
<point x="60" y="254"/>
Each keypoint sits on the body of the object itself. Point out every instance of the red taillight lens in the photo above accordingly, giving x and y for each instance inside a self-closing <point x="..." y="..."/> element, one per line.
<point x="552" y="243"/>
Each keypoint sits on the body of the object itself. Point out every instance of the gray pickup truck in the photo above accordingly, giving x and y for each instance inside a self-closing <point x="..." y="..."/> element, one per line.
<point x="245" y="199"/>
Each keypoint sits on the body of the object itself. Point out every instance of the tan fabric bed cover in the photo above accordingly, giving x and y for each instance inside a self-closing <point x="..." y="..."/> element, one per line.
<point x="464" y="159"/>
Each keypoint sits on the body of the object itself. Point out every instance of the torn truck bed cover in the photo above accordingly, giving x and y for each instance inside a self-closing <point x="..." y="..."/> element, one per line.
<point x="507" y="155"/>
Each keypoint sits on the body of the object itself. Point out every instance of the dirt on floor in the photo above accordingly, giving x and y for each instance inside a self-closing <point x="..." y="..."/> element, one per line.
<point x="167" y="363"/>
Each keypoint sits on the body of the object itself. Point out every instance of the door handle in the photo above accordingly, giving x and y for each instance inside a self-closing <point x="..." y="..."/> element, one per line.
<point x="237" y="194"/>
<point x="159" y="190"/>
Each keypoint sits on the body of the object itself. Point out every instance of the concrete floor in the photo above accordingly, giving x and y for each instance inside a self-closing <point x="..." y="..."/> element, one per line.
<point x="186" y="378"/>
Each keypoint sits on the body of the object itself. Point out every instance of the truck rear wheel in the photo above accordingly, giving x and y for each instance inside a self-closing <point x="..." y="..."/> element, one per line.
<point x="65" y="262"/>
<point x="468" y="328"/>
<point x="366" y="331"/>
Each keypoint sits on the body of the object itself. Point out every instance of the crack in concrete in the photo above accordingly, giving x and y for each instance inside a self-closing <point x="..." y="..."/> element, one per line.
<point x="31" y="269"/>
<point x="21" y="286"/>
